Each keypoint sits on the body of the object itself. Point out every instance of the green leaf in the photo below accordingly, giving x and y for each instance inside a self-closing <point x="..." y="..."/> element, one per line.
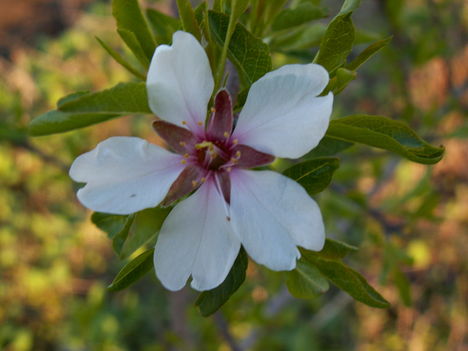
<point x="340" y="81"/>
<point x="403" y="285"/>
<point x="129" y="233"/>
<point x="337" y="43"/>
<point x="350" y="281"/>
<point x="370" y="51"/>
<point x="249" y="54"/>
<point x="210" y="301"/>
<point x="349" y="6"/>
<point x="109" y="223"/>
<point x="71" y="97"/>
<point x="306" y="281"/>
<point x="54" y="121"/>
<point x="135" y="46"/>
<point x="239" y="8"/>
<point x="129" y="19"/>
<point x="163" y="25"/>
<point x="80" y="110"/>
<point x="188" y="19"/>
<point x="328" y="146"/>
<point x="133" y="271"/>
<point x="145" y="228"/>
<point x="299" y="38"/>
<point x="387" y="134"/>
<point x="119" y="59"/>
<point x="200" y="12"/>
<point x="314" y="175"/>
<point x="124" y="98"/>
<point x="303" y="13"/>
<point x="119" y="239"/>
<point x="333" y="249"/>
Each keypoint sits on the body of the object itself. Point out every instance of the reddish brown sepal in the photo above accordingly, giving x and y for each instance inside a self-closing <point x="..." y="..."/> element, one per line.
<point x="221" y="121"/>
<point x="179" y="139"/>
<point x="188" y="180"/>
<point x="225" y="183"/>
<point x="249" y="157"/>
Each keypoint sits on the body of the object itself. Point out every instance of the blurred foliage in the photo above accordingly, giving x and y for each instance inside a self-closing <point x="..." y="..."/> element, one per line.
<point x="409" y="221"/>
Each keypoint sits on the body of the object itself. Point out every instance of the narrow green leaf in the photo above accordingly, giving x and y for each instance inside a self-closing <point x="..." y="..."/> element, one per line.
<point x="387" y="134"/>
<point x="109" y="223"/>
<point x="133" y="271"/>
<point x="337" y="43"/>
<point x="144" y="229"/>
<point x="200" y="12"/>
<point x="123" y="98"/>
<point x="81" y="109"/>
<point x="188" y="19"/>
<point x="306" y="281"/>
<point x="130" y="19"/>
<point x="302" y="14"/>
<point x="349" y="6"/>
<point x="70" y="97"/>
<point x="135" y="46"/>
<point x="350" y="281"/>
<point x="370" y="51"/>
<point x="403" y="285"/>
<point x="239" y="8"/>
<point x="314" y="175"/>
<point x="249" y="54"/>
<point x="210" y="301"/>
<point x="328" y="146"/>
<point x="119" y="59"/>
<point x="119" y="239"/>
<point x="302" y="38"/>
<point x="333" y="249"/>
<point x="163" y="25"/>
<point x="340" y="81"/>
<point x="55" y="121"/>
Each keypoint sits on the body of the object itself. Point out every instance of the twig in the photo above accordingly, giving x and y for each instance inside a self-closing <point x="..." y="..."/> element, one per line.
<point x="223" y="328"/>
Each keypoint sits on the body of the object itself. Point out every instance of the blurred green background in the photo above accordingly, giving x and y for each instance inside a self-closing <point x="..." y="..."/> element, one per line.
<point x="410" y="221"/>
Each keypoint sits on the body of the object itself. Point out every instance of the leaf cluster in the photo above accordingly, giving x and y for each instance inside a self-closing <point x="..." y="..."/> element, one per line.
<point x="248" y="33"/>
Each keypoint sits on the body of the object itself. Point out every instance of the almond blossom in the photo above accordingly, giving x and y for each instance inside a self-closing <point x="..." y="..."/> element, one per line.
<point x="267" y="213"/>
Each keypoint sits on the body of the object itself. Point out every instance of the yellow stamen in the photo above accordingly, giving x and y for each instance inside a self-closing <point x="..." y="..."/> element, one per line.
<point x="182" y="143"/>
<point x="229" y="169"/>
<point x="226" y="134"/>
<point x="186" y="155"/>
<point x="213" y="110"/>
<point x="200" y="123"/>
<point x="203" y="180"/>
<point x="204" y="144"/>
<point x="238" y="154"/>
<point x="194" y="183"/>
<point x="184" y="122"/>
<point x="235" y="141"/>
<point x="183" y="162"/>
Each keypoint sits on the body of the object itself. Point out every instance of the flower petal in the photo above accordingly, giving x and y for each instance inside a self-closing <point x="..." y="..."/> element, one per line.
<point x="283" y="115"/>
<point x="180" y="82"/>
<point x="196" y="239"/>
<point x="272" y="214"/>
<point x="125" y="175"/>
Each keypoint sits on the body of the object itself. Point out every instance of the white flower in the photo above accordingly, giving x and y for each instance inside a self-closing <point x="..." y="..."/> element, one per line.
<point x="266" y="212"/>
